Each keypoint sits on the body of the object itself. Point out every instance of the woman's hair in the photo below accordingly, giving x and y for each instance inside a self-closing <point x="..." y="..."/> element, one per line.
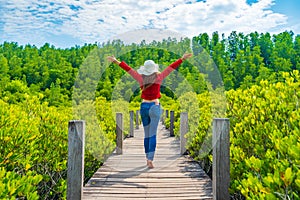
<point x="149" y="80"/>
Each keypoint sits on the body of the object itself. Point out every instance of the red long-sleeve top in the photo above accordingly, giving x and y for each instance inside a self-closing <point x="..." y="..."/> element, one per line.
<point x="152" y="92"/>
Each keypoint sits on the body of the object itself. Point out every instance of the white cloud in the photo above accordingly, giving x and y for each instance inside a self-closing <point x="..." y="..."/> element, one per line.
<point x="224" y="17"/>
<point x="91" y="21"/>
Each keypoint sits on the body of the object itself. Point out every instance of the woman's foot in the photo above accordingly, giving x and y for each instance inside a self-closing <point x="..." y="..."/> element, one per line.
<point x="150" y="164"/>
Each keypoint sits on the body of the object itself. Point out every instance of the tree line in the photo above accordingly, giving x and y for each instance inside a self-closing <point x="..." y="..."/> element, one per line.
<point x="242" y="61"/>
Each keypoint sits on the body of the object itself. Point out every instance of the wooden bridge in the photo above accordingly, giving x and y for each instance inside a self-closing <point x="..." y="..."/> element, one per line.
<point x="125" y="175"/>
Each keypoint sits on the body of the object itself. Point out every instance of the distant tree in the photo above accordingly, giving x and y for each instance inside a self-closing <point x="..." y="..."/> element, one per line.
<point x="266" y="46"/>
<point x="296" y="58"/>
<point x="283" y="52"/>
<point x="233" y="45"/>
<point x="4" y="76"/>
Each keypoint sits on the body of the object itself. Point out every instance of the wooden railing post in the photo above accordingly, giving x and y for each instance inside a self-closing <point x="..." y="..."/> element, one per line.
<point x="162" y="117"/>
<point x="221" y="159"/>
<point x="119" y="129"/>
<point x="171" y="123"/>
<point x="167" y="113"/>
<point x="137" y="123"/>
<point x="183" y="131"/>
<point x="131" y="134"/>
<point x="75" y="173"/>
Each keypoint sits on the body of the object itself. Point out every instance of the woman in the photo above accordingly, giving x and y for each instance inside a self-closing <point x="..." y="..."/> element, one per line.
<point x="150" y="80"/>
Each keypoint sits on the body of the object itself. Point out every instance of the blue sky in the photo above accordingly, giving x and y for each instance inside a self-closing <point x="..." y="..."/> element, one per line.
<point x="66" y="23"/>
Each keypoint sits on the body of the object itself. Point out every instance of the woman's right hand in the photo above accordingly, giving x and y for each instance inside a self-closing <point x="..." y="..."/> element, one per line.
<point x="113" y="60"/>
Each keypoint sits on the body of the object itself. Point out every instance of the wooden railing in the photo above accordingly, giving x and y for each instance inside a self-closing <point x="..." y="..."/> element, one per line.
<point x="75" y="174"/>
<point x="220" y="144"/>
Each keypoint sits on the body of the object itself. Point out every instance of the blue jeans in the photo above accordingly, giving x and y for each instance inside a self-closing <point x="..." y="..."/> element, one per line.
<point x="150" y="114"/>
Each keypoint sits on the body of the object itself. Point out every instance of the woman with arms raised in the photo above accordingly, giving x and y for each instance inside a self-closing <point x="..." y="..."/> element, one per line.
<point x="150" y="80"/>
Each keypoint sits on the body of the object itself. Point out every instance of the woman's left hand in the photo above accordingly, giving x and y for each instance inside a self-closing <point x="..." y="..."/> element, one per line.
<point x="186" y="56"/>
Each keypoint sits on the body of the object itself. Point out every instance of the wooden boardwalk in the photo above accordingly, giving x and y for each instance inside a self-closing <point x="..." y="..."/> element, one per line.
<point x="127" y="176"/>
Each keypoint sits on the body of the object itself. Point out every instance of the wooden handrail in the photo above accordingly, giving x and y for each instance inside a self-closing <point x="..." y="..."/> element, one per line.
<point x="221" y="159"/>
<point x="220" y="144"/>
<point x="183" y="131"/>
<point x="172" y="119"/>
<point x="119" y="130"/>
<point x="137" y="123"/>
<point x="75" y="174"/>
<point x="131" y="132"/>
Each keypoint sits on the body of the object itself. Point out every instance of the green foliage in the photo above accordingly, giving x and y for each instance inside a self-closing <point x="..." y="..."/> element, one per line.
<point x="121" y="106"/>
<point x="189" y="103"/>
<point x="34" y="150"/>
<point x="169" y="104"/>
<point x="100" y="134"/>
<point x="38" y="84"/>
<point x="15" y="91"/>
<point x="28" y="132"/>
<point x="265" y="139"/>
<point x="264" y="135"/>
<point x="99" y="127"/>
<point x="241" y="60"/>
<point x="15" y="186"/>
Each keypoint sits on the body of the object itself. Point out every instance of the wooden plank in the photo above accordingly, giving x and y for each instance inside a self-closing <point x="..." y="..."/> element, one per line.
<point x="148" y="189"/>
<point x="149" y="198"/>
<point x="148" y="186"/>
<point x="142" y="180"/>
<point x="166" y="174"/>
<point x="146" y="195"/>
<point x="167" y="196"/>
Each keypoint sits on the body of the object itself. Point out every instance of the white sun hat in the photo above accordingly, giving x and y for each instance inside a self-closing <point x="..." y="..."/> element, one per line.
<point x="149" y="68"/>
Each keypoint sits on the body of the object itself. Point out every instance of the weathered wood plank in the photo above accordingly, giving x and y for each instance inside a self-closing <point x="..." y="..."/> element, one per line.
<point x="147" y="195"/>
<point x="167" y="174"/>
<point x="145" y="180"/>
<point x="126" y="176"/>
<point x="149" y="198"/>
<point x="183" y="186"/>
<point x="144" y="194"/>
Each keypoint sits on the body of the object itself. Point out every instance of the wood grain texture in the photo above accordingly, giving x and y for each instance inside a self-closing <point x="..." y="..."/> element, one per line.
<point x="76" y="140"/>
<point x="221" y="158"/>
